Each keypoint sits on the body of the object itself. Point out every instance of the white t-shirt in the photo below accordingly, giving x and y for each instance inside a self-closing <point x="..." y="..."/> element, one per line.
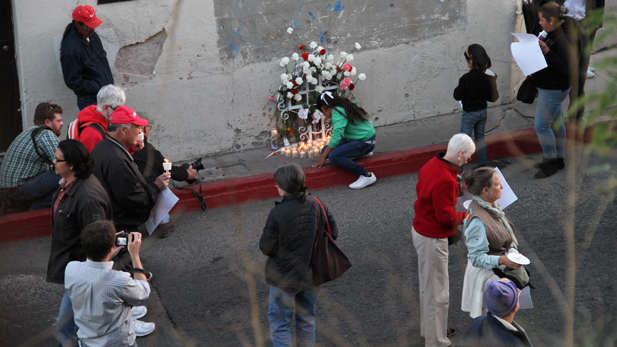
<point x="576" y="8"/>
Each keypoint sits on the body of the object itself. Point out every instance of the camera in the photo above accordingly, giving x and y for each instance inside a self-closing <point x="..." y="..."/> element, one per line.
<point x="197" y="165"/>
<point x="122" y="239"/>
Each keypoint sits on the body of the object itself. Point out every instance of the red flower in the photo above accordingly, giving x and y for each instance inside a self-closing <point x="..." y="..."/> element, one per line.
<point x="294" y="82"/>
<point x="322" y="52"/>
<point x="305" y="56"/>
<point x="302" y="47"/>
<point x="338" y="68"/>
<point x="351" y="86"/>
<point x="304" y="76"/>
<point x="294" y="91"/>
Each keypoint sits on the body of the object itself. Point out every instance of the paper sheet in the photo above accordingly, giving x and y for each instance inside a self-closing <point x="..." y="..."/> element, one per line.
<point x="164" y="203"/>
<point x="507" y="194"/>
<point x="524" y="299"/>
<point x="528" y="54"/>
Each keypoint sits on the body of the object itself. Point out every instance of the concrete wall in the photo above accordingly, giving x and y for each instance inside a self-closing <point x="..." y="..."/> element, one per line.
<point x="202" y="69"/>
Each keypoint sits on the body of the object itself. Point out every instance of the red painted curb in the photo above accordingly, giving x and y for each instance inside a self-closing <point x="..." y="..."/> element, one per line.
<point x="30" y="225"/>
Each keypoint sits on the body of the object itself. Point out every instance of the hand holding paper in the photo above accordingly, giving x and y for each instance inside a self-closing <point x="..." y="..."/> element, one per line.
<point x="528" y="54"/>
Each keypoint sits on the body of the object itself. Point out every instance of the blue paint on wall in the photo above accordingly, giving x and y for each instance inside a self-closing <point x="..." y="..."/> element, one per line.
<point x="299" y="9"/>
<point x="329" y="5"/>
<point x="235" y="42"/>
<point x="295" y="22"/>
<point x="312" y="17"/>
<point x="338" y="7"/>
<point x="223" y="27"/>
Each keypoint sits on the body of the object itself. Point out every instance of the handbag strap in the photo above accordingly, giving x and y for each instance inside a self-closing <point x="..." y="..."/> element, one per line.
<point x="324" y="213"/>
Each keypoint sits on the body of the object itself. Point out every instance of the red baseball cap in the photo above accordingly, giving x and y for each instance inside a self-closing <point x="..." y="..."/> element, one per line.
<point x="126" y="115"/>
<point x="86" y="15"/>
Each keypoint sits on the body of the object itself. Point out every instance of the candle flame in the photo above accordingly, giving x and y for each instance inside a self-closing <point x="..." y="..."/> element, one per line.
<point x="165" y="160"/>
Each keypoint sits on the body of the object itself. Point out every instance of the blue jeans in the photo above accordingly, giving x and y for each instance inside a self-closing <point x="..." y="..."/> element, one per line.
<point x="38" y="191"/>
<point x="340" y="156"/>
<point x="474" y="122"/>
<point x="548" y="123"/>
<point x="67" y="329"/>
<point x="85" y="101"/>
<point x="282" y="304"/>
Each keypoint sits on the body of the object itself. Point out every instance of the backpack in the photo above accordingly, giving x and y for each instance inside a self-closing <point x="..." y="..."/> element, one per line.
<point x="75" y="129"/>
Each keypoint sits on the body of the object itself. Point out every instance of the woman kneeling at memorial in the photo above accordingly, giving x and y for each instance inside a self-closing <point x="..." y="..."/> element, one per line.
<point x="287" y="240"/>
<point x="489" y="235"/>
<point x="353" y="135"/>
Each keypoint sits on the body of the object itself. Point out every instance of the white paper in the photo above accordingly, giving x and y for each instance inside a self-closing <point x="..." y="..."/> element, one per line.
<point x="507" y="194"/>
<point x="524" y="300"/>
<point x="164" y="203"/>
<point x="528" y="54"/>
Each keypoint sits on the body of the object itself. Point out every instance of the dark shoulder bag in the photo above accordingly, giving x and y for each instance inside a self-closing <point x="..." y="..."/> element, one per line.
<point x="328" y="261"/>
<point x="34" y="134"/>
<point x="527" y="91"/>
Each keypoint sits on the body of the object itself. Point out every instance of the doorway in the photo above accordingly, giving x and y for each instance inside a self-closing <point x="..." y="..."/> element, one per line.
<point x="10" y="103"/>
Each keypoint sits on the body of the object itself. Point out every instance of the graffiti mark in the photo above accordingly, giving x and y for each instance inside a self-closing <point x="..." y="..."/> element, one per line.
<point x="235" y="41"/>
<point x="338" y="7"/>
<point x="295" y="22"/>
<point x="312" y="17"/>
<point x="329" y="5"/>
<point x="299" y="10"/>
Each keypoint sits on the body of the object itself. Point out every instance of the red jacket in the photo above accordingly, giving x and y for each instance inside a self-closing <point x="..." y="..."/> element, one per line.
<point x="437" y="192"/>
<point x="90" y="136"/>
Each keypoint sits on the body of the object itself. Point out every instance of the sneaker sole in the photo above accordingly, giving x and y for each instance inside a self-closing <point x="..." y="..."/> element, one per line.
<point x="140" y="315"/>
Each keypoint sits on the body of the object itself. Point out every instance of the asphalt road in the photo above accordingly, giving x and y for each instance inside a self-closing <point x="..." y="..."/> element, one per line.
<point x="210" y="289"/>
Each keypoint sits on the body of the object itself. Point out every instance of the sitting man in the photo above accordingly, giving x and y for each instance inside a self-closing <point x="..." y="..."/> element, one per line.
<point x="497" y="328"/>
<point x="92" y="120"/>
<point x="102" y="297"/>
<point x="28" y="176"/>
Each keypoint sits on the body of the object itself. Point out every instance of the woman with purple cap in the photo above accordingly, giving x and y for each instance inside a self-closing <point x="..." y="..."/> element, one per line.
<point x="489" y="236"/>
<point x="497" y="328"/>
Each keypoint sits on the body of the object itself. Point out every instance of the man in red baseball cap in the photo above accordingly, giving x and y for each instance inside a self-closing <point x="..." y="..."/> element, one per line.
<point x="84" y="61"/>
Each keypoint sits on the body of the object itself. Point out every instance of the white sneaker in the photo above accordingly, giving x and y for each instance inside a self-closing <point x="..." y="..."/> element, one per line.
<point x="590" y="74"/>
<point x="142" y="328"/>
<point x="363" y="181"/>
<point x="592" y="69"/>
<point x="139" y="311"/>
<point x="368" y="154"/>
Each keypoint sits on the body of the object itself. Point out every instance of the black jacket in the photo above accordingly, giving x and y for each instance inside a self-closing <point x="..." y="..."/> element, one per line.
<point x="288" y="239"/>
<point x="475" y="88"/>
<point x="487" y="331"/>
<point x="150" y="163"/>
<point x="561" y="60"/>
<point x="131" y="197"/>
<point x="86" y="201"/>
<point x="84" y="64"/>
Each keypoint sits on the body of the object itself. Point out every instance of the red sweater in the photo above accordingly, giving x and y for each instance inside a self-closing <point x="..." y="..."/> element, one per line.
<point x="437" y="192"/>
<point x="90" y="136"/>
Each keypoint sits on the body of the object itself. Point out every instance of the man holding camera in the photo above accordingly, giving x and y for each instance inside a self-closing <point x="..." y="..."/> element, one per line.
<point x="102" y="297"/>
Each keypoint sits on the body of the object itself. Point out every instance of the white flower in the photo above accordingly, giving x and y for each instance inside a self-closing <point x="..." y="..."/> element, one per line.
<point x="311" y="57"/>
<point x="330" y="57"/>
<point x="303" y="113"/>
<point x="349" y="57"/>
<point x="313" y="81"/>
<point x="353" y="71"/>
<point x="357" y="45"/>
<point x="295" y="57"/>
<point x="299" y="80"/>
<point x="319" y="89"/>
<point x="327" y="65"/>
<point x="343" y="54"/>
<point x="339" y="75"/>
<point x="319" y="49"/>
<point x="284" y="78"/>
<point x="317" y="60"/>
<point x="346" y="73"/>
<point x="284" y="62"/>
<point x="317" y="116"/>
<point x="313" y="69"/>
<point x="289" y="85"/>
<point x="290" y="30"/>
<point x="313" y="45"/>
<point x="298" y="97"/>
<point x="289" y="95"/>
<point x="327" y="75"/>
<point x="307" y="64"/>
<point x="362" y="76"/>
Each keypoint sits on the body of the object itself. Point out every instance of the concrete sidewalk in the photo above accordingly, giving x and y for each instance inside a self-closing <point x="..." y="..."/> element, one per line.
<point x="246" y="176"/>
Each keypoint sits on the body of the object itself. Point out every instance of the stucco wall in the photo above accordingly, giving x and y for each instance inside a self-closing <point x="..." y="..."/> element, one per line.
<point x="215" y="61"/>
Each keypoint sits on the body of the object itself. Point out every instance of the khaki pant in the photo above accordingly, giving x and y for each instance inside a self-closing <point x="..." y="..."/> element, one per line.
<point x="434" y="288"/>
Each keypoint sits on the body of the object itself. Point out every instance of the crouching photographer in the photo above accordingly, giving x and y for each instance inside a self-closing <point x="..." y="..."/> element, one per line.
<point x="101" y="297"/>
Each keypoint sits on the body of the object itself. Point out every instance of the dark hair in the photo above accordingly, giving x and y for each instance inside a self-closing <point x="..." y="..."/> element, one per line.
<point x="97" y="238"/>
<point x="77" y="156"/>
<point x="45" y="111"/>
<point x="69" y="27"/>
<point x="291" y="179"/>
<point x="478" y="56"/>
<point x="553" y="10"/>
<point x="353" y="112"/>
<point x="479" y="179"/>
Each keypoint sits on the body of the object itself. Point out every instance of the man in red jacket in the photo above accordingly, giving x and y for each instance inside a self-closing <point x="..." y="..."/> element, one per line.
<point x="435" y="220"/>
<point x="93" y="119"/>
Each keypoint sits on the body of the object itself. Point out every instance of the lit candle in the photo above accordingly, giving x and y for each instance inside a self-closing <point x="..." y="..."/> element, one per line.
<point x="294" y="153"/>
<point x="288" y="152"/>
<point x="166" y="165"/>
<point x="302" y="154"/>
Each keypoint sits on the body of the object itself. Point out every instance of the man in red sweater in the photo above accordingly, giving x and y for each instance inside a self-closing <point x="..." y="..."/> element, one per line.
<point x="435" y="220"/>
<point x="93" y="119"/>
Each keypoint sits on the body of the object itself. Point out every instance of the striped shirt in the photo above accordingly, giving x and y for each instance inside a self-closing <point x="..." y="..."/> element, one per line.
<point x="21" y="161"/>
<point x="102" y="300"/>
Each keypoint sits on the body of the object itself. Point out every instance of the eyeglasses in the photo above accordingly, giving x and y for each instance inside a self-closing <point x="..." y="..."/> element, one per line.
<point x="149" y="126"/>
